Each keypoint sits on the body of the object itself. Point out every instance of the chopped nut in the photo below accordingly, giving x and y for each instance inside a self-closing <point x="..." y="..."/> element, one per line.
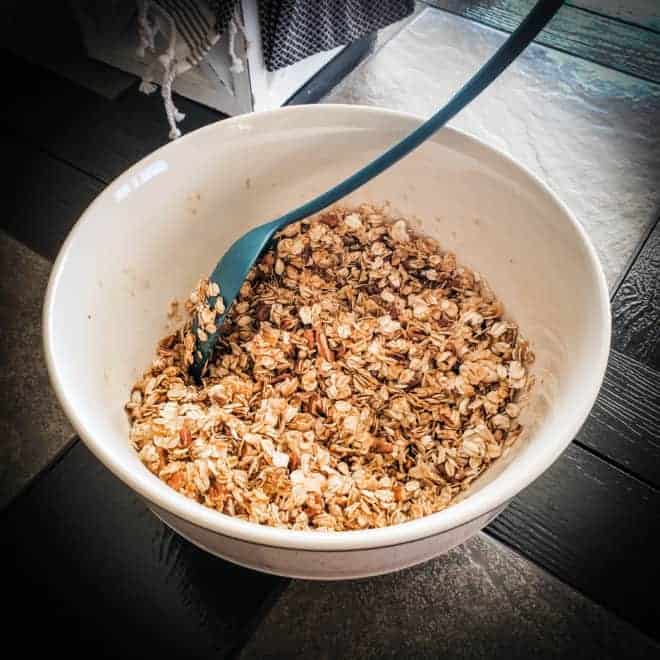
<point x="310" y="337"/>
<point x="185" y="436"/>
<point x="324" y="349"/>
<point x="263" y="312"/>
<point x="330" y="219"/>
<point x="383" y="447"/>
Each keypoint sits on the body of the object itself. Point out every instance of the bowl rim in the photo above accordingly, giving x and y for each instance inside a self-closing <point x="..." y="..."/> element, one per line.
<point x="491" y="497"/>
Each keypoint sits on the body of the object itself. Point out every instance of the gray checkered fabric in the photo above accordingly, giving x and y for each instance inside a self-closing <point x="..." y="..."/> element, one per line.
<point x="292" y="30"/>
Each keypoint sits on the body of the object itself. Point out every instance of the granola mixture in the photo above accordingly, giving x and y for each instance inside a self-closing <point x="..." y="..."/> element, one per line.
<point x="362" y="379"/>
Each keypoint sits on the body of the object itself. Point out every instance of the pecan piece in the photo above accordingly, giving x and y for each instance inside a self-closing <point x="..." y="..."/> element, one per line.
<point x="309" y="336"/>
<point x="262" y="312"/>
<point x="381" y="446"/>
<point x="324" y="350"/>
<point x="185" y="437"/>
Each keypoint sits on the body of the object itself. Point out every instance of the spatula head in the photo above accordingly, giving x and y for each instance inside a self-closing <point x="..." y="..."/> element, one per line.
<point x="229" y="275"/>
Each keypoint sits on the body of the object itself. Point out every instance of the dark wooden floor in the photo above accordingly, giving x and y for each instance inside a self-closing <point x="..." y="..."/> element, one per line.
<point x="592" y="520"/>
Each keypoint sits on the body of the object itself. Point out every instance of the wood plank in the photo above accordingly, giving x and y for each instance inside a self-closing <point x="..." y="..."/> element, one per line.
<point x="624" y="422"/>
<point x="481" y="601"/>
<point x="102" y="576"/>
<point x="99" y="136"/>
<point x="593" y="37"/>
<point x="55" y="42"/>
<point x="645" y="13"/>
<point x="594" y="527"/>
<point x="43" y="197"/>
<point x="636" y="306"/>
<point x="33" y="428"/>
<point x="623" y="426"/>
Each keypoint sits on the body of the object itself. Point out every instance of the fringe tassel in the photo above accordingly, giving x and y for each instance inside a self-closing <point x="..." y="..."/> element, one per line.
<point x="147" y="32"/>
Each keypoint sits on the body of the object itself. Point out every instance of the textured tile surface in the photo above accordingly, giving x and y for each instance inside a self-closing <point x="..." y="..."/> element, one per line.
<point x="590" y="133"/>
<point x="479" y="601"/>
<point x="389" y="32"/>
<point x="32" y="426"/>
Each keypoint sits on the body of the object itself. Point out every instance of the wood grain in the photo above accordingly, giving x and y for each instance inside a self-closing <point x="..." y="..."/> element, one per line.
<point x="597" y="38"/>
<point x="99" y="136"/>
<point x="594" y="527"/>
<point x="645" y="13"/>
<point x="480" y="601"/>
<point x="625" y="421"/>
<point x="102" y="576"/>
<point x="636" y="306"/>
<point x="43" y="197"/>
<point x="33" y="428"/>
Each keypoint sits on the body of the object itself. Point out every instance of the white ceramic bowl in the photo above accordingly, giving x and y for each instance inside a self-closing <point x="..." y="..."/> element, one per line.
<point x="161" y="225"/>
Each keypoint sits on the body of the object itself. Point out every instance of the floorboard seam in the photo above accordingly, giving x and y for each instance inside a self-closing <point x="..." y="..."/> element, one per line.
<point x="634" y="256"/>
<point x="580" y="56"/>
<point x="617" y="466"/>
<point x="59" y="456"/>
<point x="56" y="157"/>
<point x="615" y="19"/>
<point x="548" y="571"/>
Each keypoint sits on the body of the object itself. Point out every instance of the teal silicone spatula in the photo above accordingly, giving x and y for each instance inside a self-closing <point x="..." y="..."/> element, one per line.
<point x="233" y="268"/>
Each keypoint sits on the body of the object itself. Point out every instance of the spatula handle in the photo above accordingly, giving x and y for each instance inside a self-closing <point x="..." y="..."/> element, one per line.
<point x="533" y="23"/>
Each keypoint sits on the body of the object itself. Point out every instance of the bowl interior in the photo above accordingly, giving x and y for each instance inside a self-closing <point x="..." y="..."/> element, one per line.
<point x="164" y="223"/>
